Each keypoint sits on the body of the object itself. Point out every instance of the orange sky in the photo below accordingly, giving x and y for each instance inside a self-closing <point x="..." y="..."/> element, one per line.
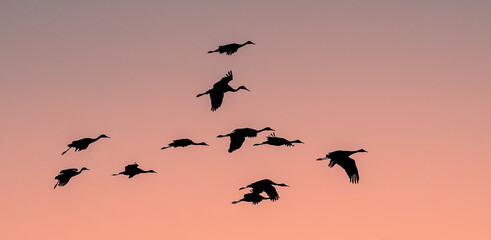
<point x="407" y="81"/>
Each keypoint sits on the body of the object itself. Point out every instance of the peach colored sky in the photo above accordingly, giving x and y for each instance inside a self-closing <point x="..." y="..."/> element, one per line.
<point x="408" y="81"/>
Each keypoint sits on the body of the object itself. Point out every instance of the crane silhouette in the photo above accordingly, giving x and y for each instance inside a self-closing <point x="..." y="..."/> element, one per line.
<point x="219" y="89"/>
<point x="83" y="143"/>
<point x="183" y="143"/>
<point x="132" y="169"/>
<point x="277" y="141"/>
<point x="342" y="158"/>
<point x="265" y="185"/>
<point x="237" y="137"/>
<point x="66" y="175"/>
<point x="230" y="49"/>
<point x="255" y="198"/>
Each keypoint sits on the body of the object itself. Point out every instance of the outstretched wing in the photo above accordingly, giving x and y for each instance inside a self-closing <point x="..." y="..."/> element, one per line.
<point x="232" y="51"/>
<point x="247" y="132"/>
<point x="236" y="141"/>
<point x="271" y="192"/>
<point x="349" y="166"/>
<point x="131" y="167"/>
<point x="216" y="98"/>
<point x="228" y="77"/>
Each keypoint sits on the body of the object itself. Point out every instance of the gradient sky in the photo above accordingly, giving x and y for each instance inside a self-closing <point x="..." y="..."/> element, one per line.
<point x="409" y="81"/>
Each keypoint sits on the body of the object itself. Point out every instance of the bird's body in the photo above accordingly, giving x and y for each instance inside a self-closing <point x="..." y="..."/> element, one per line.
<point x="66" y="175"/>
<point x="183" y="143"/>
<point x="255" y="198"/>
<point x="132" y="170"/>
<point x="231" y="48"/>
<point x="342" y="158"/>
<point x="277" y="141"/>
<point x="237" y="137"/>
<point x="83" y="143"/>
<point x="266" y="186"/>
<point x="219" y="89"/>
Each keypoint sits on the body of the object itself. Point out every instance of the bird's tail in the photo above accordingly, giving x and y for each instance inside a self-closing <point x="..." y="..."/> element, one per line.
<point x="66" y="150"/>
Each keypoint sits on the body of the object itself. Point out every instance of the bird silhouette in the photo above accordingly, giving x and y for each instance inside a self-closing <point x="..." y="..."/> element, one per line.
<point x="255" y="198"/>
<point x="237" y="137"/>
<point x="219" y="89"/>
<point x="83" y="143"/>
<point x="265" y="185"/>
<point x="66" y="175"/>
<point x="342" y="158"/>
<point x="183" y="143"/>
<point x="230" y="49"/>
<point x="132" y="170"/>
<point x="277" y="141"/>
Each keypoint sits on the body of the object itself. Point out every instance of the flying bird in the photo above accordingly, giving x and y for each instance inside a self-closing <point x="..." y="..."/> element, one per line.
<point x="230" y="48"/>
<point x="219" y="89"/>
<point x="265" y="185"/>
<point x="66" y="175"/>
<point x="183" y="143"/>
<point x="83" y="143"/>
<point x="277" y="141"/>
<point x="132" y="170"/>
<point x="251" y="197"/>
<point x="342" y="158"/>
<point x="237" y="137"/>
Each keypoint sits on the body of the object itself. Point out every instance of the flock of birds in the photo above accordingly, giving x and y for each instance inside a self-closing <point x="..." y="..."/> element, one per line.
<point x="237" y="138"/>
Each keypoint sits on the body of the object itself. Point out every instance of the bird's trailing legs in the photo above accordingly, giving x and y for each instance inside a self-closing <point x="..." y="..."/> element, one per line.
<point x="66" y="150"/>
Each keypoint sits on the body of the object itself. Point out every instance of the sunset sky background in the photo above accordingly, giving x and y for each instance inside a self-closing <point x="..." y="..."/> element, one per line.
<point x="409" y="81"/>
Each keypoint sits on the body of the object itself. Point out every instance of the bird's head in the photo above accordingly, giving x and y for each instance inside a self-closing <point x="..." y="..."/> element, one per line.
<point x="203" y="143"/>
<point x="84" y="168"/>
<point x="282" y="185"/>
<point x="249" y="42"/>
<point x="103" y="136"/>
<point x="297" y="141"/>
<point x="243" y="87"/>
<point x="151" y="171"/>
<point x="268" y="129"/>
<point x="361" y="150"/>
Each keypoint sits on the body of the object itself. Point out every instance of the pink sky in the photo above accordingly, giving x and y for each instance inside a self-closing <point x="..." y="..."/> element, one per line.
<point x="409" y="81"/>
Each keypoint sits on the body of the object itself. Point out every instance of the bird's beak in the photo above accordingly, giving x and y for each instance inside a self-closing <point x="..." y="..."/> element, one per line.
<point x="320" y="159"/>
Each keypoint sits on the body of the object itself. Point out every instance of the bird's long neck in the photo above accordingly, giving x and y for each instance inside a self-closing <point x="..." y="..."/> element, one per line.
<point x="264" y="129"/>
<point x="235" y="90"/>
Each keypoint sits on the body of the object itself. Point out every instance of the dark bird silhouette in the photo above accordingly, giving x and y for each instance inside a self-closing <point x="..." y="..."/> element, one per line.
<point x="83" y="143"/>
<point x="132" y="170"/>
<point x="255" y="198"/>
<point x="265" y="185"/>
<point x="183" y="143"/>
<point x="66" y="175"/>
<point x="237" y="137"/>
<point x="230" y="48"/>
<point x="342" y="158"/>
<point x="277" y="141"/>
<point x="219" y="89"/>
